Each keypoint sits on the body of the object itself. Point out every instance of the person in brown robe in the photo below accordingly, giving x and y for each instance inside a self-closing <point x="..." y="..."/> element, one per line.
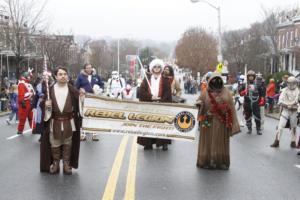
<point x="218" y="121"/>
<point x="62" y="122"/>
<point x="159" y="90"/>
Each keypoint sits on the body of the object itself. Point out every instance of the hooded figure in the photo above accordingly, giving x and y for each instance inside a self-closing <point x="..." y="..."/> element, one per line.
<point x="159" y="90"/>
<point x="218" y="121"/>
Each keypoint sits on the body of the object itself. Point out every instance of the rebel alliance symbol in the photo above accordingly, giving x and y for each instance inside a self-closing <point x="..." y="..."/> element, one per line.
<point x="186" y="122"/>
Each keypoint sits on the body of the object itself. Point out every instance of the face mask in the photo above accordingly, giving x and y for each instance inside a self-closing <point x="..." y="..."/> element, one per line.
<point x="292" y="85"/>
<point x="216" y="84"/>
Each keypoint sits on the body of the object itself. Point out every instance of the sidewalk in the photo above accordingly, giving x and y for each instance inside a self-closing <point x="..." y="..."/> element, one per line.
<point x="3" y="113"/>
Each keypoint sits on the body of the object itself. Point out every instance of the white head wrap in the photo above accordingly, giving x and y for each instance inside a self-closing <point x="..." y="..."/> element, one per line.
<point x="156" y="62"/>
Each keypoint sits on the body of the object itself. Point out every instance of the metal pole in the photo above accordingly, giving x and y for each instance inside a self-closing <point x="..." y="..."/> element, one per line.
<point x="118" y="56"/>
<point x="220" y="56"/>
<point x="220" y="36"/>
<point x="7" y="67"/>
<point x="1" y="70"/>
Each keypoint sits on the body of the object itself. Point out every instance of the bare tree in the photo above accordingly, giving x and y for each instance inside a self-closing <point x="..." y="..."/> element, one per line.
<point x="57" y="49"/>
<point x="99" y="56"/>
<point x="197" y="50"/>
<point x="25" y="18"/>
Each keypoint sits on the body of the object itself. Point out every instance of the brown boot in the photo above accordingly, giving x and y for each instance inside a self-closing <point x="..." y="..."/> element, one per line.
<point x="275" y="144"/>
<point x="66" y="159"/>
<point x="54" y="167"/>
<point x="293" y="144"/>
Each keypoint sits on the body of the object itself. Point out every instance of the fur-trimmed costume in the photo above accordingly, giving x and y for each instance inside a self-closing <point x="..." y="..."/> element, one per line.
<point x="25" y="95"/>
<point x="165" y="96"/>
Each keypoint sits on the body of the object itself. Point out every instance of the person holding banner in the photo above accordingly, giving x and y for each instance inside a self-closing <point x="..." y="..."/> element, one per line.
<point x="155" y="88"/>
<point x="218" y="121"/>
<point x="90" y="82"/>
<point x="62" y="122"/>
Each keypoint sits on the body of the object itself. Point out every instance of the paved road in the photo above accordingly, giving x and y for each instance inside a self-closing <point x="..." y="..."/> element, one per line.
<point x="116" y="168"/>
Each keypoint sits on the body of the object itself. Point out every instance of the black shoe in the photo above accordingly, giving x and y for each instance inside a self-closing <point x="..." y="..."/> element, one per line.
<point x="259" y="132"/>
<point x="148" y="147"/>
<point x="249" y="131"/>
<point x="19" y="133"/>
<point x="293" y="144"/>
<point x="223" y="167"/>
<point x="298" y="153"/>
<point x="275" y="144"/>
<point x="165" y="147"/>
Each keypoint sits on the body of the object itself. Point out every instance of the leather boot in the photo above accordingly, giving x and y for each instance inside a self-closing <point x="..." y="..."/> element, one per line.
<point x="165" y="147"/>
<point x="54" y="167"/>
<point x="66" y="159"/>
<point x="258" y="131"/>
<point x="293" y="144"/>
<point x="275" y="144"/>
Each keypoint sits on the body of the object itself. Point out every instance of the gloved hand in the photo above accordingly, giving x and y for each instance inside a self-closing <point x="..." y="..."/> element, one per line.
<point x="23" y="104"/>
<point x="199" y="103"/>
<point x="244" y="92"/>
<point x="262" y="101"/>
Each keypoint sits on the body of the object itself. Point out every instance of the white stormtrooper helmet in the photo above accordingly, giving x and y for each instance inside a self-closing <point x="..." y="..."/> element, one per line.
<point x="114" y="74"/>
<point x="291" y="83"/>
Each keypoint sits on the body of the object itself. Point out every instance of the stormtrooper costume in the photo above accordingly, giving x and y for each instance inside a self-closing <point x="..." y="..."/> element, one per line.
<point x="288" y="100"/>
<point x="115" y="86"/>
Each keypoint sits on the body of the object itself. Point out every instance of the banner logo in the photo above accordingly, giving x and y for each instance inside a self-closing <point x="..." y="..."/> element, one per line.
<point x="184" y="121"/>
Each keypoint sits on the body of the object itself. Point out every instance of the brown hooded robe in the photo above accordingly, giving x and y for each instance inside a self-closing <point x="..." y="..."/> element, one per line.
<point x="213" y="149"/>
<point x="45" y="148"/>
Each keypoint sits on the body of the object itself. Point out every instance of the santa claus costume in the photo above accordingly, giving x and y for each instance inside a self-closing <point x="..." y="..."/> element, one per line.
<point x="25" y="95"/>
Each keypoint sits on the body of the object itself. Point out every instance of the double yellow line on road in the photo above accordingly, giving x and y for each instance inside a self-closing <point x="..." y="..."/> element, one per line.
<point x="110" y="188"/>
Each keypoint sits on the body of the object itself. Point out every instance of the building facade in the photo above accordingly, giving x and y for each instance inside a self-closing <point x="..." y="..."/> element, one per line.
<point x="288" y="41"/>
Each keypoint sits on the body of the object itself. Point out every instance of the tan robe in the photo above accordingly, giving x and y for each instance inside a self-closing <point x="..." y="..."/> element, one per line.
<point x="213" y="149"/>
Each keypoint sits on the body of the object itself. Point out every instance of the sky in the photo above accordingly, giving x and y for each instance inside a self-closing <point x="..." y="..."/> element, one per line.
<point x="159" y="20"/>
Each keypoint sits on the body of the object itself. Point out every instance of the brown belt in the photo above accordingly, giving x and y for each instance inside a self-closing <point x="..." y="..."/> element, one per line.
<point x="63" y="118"/>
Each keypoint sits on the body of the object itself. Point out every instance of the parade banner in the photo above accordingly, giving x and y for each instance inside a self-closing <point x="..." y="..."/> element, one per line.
<point x="147" y="119"/>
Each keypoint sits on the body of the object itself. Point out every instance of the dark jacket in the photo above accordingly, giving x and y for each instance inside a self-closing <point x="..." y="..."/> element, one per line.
<point x="83" y="82"/>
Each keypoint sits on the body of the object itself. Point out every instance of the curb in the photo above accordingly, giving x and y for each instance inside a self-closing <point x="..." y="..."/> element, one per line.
<point x="4" y="113"/>
<point x="271" y="116"/>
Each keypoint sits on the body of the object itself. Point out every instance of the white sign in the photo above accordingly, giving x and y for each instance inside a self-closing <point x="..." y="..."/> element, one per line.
<point x="148" y="119"/>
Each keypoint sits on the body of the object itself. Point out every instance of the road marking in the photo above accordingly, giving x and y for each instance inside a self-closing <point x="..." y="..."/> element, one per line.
<point x="297" y="166"/>
<point x="111" y="184"/>
<point x="15" y="136"/>
<point x="131" y="176"/>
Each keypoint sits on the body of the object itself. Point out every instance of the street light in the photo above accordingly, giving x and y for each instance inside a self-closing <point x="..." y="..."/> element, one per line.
<point x="220" y="56"/>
